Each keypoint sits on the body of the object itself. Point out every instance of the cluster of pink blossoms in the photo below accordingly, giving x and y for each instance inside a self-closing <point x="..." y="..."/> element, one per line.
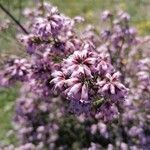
<point x="15" y="69"/>
<point x="83" y="73"/>
<point x="62" y="62"/>
<point x="86" y="78"/>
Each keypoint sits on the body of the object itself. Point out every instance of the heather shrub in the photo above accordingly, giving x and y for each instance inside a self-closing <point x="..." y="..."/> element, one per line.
<point x="80" y="89"/>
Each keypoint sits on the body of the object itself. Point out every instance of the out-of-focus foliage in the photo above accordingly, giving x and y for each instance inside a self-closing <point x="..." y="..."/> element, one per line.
<point x="144" y="27"/>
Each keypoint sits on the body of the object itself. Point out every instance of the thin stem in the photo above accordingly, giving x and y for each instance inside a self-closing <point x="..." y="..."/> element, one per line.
<point x="13" y="18"/>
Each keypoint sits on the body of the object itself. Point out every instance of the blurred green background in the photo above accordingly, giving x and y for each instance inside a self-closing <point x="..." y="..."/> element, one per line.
<point x="89" y="9"/>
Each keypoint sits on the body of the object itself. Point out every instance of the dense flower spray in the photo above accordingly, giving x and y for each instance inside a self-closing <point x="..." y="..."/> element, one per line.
<point x="62" y="62"/>
<point x="92" y="76"/>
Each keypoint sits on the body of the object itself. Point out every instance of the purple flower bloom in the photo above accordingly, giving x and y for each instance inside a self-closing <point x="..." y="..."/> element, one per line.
<point x="111" y="83"/>
<point x="81" y="62"/>
<point x="106" y="14"/>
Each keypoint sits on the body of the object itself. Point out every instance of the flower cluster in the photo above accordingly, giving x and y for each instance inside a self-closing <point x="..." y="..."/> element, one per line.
<point x="15" y="69"/>
<point x="52" y="31"/>
<point x="84" y="73"/>
<point x="85" y="77"/>
<point x="61" y="62"/>
<point x="33" y="121"/>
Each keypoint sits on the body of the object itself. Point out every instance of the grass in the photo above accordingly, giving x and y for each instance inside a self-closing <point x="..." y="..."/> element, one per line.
<point x="89" y="9"/>
<point x="7" y="97"/>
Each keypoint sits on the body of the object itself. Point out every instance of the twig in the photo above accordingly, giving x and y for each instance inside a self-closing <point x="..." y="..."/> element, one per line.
<point x="13" y="18"/>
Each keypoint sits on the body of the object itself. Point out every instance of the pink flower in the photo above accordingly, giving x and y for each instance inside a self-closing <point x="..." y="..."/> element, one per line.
<point x="74" y="88"/>
<point x="59" y="79"/>
<point x="124" y="16"/>
<point x="106" y="14"/>
<point x="111" y="83"/>
<point x="77" y="90"/>
<point x="103" y="63"/>
<point x="20" y="67"/>
<point x="81" y="62"/>
<point x="84" y="93"/>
